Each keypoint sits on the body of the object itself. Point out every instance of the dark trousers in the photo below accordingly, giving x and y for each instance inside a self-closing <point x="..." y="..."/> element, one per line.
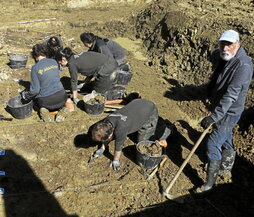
<point x="148" y="129"/>
<point x="53" y="102"/>
<point x="103" y="83"/>
<point x="221" y="137"/>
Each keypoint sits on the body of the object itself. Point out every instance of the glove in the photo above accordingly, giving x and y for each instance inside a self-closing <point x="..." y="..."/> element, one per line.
<point x="115" y="164"/>
<point x="76" y="100"/>
<point x="98" y="153"/>
<point x="207" y="122"/>
<point x="23" y="95"/>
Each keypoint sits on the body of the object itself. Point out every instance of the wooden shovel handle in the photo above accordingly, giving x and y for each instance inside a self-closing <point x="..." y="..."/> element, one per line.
<point x="187" y="159"/>
<point x="156" y="169"/>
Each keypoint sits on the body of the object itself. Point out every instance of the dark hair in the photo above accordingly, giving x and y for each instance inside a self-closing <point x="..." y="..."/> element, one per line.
<point x="66" y="52"/>
<point x="102" y="130"/>
<point x="38" y="50"/>
<point x="53" y="42"/>
<point x="87" y="37"/>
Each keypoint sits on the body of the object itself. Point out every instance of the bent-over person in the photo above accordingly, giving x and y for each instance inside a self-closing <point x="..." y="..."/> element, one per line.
<point x="139" y="115"/>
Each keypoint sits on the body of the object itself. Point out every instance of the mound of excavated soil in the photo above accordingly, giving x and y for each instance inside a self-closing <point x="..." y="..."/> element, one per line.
<point x="168" y="45"/>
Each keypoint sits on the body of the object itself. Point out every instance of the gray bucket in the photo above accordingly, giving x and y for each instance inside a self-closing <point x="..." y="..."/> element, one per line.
<point x="124" y="74"/>
<point x="145" y="160"/>
<point x="17" y="61"/>
<point x="18" y="109"/>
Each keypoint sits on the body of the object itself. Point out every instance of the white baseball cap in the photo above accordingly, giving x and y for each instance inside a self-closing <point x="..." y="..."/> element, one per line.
<point x="230" y="35"/>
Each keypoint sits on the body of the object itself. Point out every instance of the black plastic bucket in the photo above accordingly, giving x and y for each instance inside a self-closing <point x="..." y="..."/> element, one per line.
<point x="117" y="92"/>
<point x="124" y="74"/>
<point x="18" y="109"/>
<point x="145" y="160"/>
<point x="17" y="61"/>
<point x="95" y="108"/>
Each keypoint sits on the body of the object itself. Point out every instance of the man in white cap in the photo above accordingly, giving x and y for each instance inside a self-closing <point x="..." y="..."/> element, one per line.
<point x="227" y="92"/>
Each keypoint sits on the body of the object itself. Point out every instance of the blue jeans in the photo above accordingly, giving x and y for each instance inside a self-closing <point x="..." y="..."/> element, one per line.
<point x="221" y="137"/>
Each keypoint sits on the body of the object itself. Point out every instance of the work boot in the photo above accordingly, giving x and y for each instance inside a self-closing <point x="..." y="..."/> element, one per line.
<point x="45" y="115"/>
<point x="62" y="114"/>
<point x="212" y="172"/>
<point x="227" y="161"/>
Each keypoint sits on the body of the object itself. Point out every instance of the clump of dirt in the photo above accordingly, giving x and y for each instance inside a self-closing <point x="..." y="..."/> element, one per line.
<point x="96" y="100"/>
<point x="151" y="149"/>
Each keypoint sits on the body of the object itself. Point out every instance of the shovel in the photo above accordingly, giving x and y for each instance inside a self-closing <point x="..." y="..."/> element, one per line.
<point x="166" y="192"/>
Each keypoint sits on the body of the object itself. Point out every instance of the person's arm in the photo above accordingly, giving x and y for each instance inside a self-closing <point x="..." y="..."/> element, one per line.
<point x="117" y="155"/>
<point x="34" y="85"/>
<point x="119" y="141"/>
<point x="74" y="80"/>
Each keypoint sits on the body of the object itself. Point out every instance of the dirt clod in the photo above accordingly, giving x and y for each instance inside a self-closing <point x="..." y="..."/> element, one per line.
<point x="151" y="149"/>
<point x="96" y="100"/>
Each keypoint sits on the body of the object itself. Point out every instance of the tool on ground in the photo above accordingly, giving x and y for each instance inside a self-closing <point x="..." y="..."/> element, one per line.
<point x="150" y="176"/>
<point x="115" y="101"/>
<point x="166" y="192"/>
<point x="2" y="118"/>
<point x="114" y="106"/>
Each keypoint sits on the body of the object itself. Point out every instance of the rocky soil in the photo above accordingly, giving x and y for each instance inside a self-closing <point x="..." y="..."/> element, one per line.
<point x="168" y="44"/>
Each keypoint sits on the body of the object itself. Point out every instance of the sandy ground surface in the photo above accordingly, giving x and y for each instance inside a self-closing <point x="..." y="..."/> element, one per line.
<point x="168" y="45"/>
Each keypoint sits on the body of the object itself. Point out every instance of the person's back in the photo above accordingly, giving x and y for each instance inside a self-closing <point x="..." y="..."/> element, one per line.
<point x="48" y="77"/>
<point x="104" y="45"/>
<point x="116" y="50"/>
<point x="132" y="118"/>
<point x="133" y="115"/>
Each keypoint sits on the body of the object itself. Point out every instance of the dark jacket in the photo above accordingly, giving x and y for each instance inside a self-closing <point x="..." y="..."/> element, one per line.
<point x="90" y="64"/>
<point x="229" y="84"/>
<point x="50" y="52"/>
<point x="108" y="47"/>
<point x="130" y="119"/>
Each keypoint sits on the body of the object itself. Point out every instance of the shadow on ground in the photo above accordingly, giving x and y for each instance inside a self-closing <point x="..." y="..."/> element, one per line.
<point x="234" y="200"/>
<point x="25" y="194"/>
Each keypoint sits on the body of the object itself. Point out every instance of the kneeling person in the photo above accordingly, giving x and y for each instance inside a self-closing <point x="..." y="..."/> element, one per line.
<point x="139" y="115"/>
<point x="46" y="88"/>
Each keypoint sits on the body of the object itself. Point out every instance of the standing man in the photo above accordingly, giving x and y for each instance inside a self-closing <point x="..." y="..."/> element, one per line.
<point x="139" y="115"/>
<point x="227" y="92"/>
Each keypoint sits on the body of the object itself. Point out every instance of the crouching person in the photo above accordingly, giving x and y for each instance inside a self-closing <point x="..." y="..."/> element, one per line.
<point x="92" y="65"/>
<point x="46" y="89"/>
<point x="139" y="115"/>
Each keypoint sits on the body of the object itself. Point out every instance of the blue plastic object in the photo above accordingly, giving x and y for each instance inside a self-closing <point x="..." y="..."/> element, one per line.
<point x="2" y="173"/>
<point x="2" y="153"/>
<point x="1" y="190"/>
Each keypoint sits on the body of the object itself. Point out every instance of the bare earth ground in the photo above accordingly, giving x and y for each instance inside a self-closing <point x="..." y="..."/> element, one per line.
<point x="47" y="173"/>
